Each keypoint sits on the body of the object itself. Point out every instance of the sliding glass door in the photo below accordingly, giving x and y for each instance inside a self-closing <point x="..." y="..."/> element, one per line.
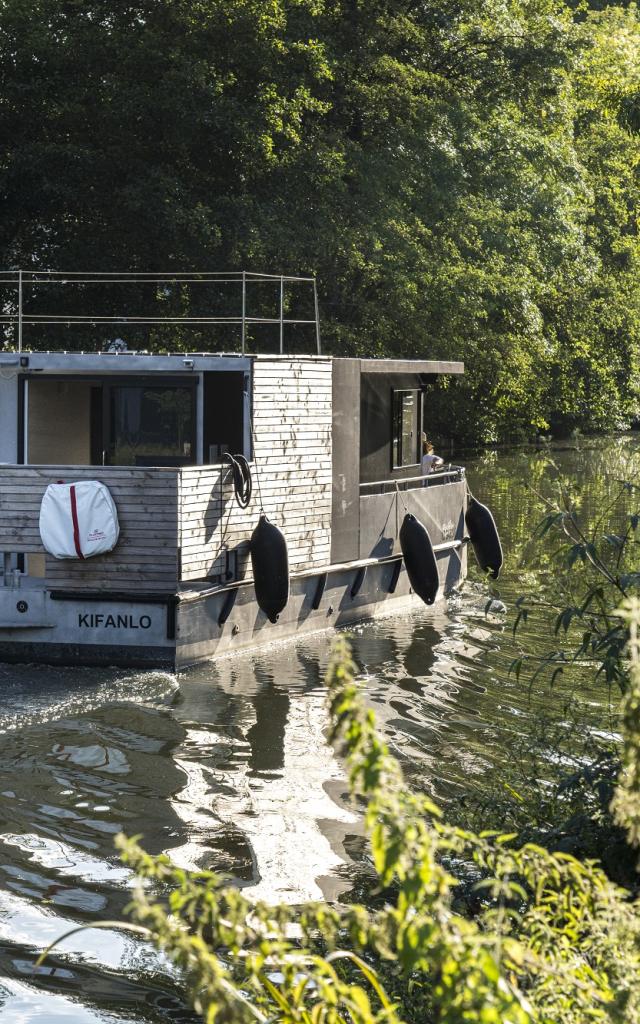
<point x="113" y="421"/>
<point x="149" y="424"/>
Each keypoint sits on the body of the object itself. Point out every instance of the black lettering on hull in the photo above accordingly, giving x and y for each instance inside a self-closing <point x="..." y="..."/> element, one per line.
<point x="96" y="620"/>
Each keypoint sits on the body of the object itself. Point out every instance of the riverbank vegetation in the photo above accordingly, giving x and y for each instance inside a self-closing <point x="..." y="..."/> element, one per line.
<point x="550" y="939"/>
<point x="463" y="177"/>
<point x="573" y="558"/>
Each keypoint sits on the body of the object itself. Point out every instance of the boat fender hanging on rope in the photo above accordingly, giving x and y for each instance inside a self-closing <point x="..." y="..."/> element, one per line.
<point x="484" y="536"/>
<point x="270" y="564"/>
<point x="419" y="558"/>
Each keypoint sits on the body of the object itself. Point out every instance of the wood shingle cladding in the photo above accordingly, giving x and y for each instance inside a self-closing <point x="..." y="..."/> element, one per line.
<point x="292" y="476"/>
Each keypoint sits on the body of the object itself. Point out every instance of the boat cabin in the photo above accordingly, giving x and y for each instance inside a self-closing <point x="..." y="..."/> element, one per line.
<point x="334" y="450"/>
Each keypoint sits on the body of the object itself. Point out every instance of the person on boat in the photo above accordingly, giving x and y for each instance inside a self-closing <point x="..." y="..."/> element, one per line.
<point x="430" y="461"/>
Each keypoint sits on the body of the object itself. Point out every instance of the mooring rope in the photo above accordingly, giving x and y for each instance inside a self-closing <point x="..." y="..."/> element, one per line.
<point x="242" y="481"/>
<point x="425" y="510"/>
<point x="399" y="494"/>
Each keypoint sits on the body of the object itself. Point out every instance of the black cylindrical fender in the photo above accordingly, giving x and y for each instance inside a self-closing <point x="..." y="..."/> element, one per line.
<point x="419" y="558"/>
<point x="270" y="564"/>
<point x="483" y="534"/>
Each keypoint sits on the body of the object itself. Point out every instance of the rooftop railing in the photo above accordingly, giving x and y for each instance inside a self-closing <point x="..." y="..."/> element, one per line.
<point x="19" y="311"/>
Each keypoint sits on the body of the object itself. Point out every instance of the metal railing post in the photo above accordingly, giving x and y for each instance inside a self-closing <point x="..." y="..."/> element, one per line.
<point x="244" y="308"/>
<point x="281" y="315"/>
<point x="19" y="311"/>
<point x="317" y="312"/>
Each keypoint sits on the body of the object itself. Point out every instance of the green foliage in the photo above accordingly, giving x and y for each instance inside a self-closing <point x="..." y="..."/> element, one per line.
<point x="567" y="653"/>
<point x="626" y="801"/>
<point x="595" y="568"/>
<point x="552" y="940"/>
<point x="463" y="177"/>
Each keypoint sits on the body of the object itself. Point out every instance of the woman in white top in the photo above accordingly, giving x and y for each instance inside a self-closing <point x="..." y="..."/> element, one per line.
<point x="429" y="460"/>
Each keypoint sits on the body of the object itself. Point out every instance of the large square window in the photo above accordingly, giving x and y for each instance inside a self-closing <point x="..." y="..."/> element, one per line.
<point x="95" y="421"/>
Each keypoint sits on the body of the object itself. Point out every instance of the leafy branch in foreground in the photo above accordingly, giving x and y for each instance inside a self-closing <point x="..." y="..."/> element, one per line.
<point x="626" y="801"/>
<point x="554" y="940"/>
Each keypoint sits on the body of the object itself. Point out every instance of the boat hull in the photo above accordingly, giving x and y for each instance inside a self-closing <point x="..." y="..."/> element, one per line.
<point x="173" y="631"/>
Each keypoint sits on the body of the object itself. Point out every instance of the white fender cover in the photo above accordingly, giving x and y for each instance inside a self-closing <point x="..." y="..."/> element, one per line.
<point x="78" y="520"/>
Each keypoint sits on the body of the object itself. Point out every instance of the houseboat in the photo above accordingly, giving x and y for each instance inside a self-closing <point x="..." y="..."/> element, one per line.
<point x="174" y="460"/>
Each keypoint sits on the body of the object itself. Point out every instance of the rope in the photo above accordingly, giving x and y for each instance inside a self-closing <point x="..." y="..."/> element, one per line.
<point x="399" y="495"/>
<point x="242" y="482"/>
<point x="422" y="510"/>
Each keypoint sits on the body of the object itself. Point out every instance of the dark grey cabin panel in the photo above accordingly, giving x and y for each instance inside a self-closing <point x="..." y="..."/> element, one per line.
<point x="440" y="509"/>
<point x="376" y="426"/>
<point x="345" y="507"/>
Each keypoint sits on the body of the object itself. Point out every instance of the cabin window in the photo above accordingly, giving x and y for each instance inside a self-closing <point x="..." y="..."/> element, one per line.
<point x="151" y="425"/>
<point x="225" y="414"/>
<point x="406" y="428"/>
<point x="129" y="422"/>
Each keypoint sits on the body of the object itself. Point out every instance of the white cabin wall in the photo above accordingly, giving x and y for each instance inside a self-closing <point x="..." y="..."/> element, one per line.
<point x="292" y="462"/>
<point x="8" y="415"/>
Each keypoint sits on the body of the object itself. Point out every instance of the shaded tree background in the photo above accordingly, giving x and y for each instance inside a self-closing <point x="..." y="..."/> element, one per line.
<point x="462" y="177"/>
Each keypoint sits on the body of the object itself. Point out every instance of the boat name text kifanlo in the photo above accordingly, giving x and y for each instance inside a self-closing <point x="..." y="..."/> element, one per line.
<point x="97" y="620"/>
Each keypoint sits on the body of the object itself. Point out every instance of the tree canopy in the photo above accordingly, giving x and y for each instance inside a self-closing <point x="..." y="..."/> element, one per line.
<point x="462" y="177"/>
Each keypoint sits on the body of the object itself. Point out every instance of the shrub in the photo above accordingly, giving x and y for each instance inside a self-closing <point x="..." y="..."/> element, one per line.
<point x="551" y="939"/>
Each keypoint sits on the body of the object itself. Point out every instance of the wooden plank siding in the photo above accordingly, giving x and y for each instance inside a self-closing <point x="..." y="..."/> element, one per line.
<point x="178" y="523"/>
<point x="146" y="556"/>
<point x="291" y="473"/>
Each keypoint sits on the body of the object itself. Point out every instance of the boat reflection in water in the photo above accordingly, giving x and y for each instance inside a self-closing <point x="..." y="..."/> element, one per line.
<point x="264" y="790"/>
<point x="265" y="796"/>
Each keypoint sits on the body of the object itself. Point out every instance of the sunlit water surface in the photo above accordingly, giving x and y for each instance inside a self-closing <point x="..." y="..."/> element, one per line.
<point x="228" y="766"/>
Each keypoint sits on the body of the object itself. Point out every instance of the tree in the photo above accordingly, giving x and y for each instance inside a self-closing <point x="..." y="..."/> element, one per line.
<point x="461" y="176"/>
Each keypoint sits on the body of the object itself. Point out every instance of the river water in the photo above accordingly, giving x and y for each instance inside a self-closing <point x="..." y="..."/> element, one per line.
<point x="227" y="766"/>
